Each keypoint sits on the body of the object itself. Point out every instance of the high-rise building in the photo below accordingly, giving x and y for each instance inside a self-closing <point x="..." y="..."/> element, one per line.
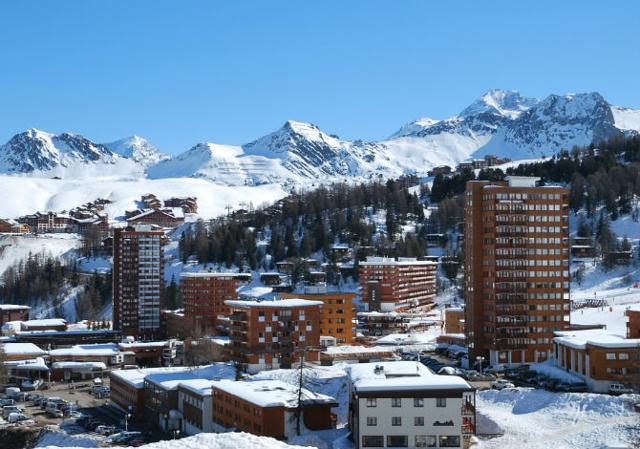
<point x="387" y="284"/>
<point x="516" y="269"/>
<point x="138" y="280"/>
<point x="203" y="297"/>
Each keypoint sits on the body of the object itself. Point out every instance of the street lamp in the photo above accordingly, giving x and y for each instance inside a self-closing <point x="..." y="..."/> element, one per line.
<point x="127" y="416"/>
<point x="176" y="432"/>
<point x="480" y="361"/>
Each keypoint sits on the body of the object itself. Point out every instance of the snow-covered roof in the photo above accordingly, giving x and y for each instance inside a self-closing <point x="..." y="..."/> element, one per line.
<point x="143" y="344"/>
<point x="402" y="261"/>
<point x="401" y="376"/>
<point x="44" y="323"/>
<point x="78" y="365"/>
<point x="100" y="349"/>
<point x="170" y="377"/>
<point x="206" y="274"/>
<point x="271" y="393"/>
<point x="7" y="307"/>
<point x="16" y="349"/>
<point x="291" y="302"/>
<point x="171" y="380"/>
<point x="36" y="364"/>
<point x="595" y="337"/>
<point x="201" y="387"/>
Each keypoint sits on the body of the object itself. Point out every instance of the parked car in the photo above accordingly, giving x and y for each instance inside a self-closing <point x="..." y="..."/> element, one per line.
<point x="572" y="388"/>
<point x="619" y="389"/>
<point x="106" y="430"/>
<point x="6" y="401"/>
<point x="93" y="425"/>
<point x="31" y="385"/>
<point x="8" y="409"/>
<point x="124" y="437"/>
<point x="20" y="418"/>
<point x="501" y="384"/>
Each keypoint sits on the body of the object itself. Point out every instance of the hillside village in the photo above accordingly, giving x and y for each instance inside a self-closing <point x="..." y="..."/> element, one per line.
<point x="349" y="315"/>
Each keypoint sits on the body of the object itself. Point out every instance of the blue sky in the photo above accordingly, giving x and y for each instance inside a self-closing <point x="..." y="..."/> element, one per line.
<point x="181" y="72"/>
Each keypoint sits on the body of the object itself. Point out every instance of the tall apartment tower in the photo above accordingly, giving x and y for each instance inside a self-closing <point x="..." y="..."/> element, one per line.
<point x="516" y="269"/>
<point x="138" y="280"/>
<point x="203" y="297"/>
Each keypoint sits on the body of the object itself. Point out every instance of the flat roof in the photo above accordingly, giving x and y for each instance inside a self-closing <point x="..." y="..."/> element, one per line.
<point x="401" y="376"/>
<point x="13" y="307"/>
<point x="292" y="302"/>
<point x="12" y="349"/>
<point x="390" y="261"/>
<point x="595" y="337"/>
<point x="206" y="274"/>
<point x="98" y="349"/>
<point x="271" y="393"/>
<point x="169" y="377"/>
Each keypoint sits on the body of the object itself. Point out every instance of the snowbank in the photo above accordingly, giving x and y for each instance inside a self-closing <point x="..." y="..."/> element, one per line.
<point x="200" y="441"/>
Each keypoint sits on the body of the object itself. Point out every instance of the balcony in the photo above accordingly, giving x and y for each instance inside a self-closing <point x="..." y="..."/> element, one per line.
<point x="468" y="409"/>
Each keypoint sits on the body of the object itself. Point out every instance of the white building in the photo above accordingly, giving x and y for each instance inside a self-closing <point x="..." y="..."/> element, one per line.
<point x="403" y="404"/>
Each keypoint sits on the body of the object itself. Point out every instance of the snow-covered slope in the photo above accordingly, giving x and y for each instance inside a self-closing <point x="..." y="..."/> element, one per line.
<point x="138" y="149"/>
<point x="626" y="119"/>
<point x="30" y="194"/>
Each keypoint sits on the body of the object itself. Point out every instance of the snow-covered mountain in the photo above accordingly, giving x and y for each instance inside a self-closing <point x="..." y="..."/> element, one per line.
<point x="138" y="149"/>
<point x="500" y="122"/>
<point x="35" y="150"/>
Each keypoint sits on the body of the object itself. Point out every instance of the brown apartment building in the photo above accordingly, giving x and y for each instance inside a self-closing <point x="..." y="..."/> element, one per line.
<point x="203" y="297"/>
<point x="138" y="281"/>
<point x="388" y="284"/>
<point x="274" y="334"/>
<point x="13" y="312"/>
<point x="516" y="269"/>
<point x="336" y="314"/>
<point x="269" y="408"/>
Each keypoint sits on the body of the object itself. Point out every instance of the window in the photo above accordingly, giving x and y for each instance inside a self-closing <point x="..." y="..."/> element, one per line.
<point x="623" y="356"/>
<point x="372" y="421"/>
<point x="372" y="441"/>
<point x="397" y="441"/>
<point x="396" y="402"/>
<point x="611" y="355"/>
<point x="441" y="402"/>
<point x="426" y="441"/>
<point x="418" y="421"/>
<point x="371" y="402"/>
<point x="418" y="402"/>
<point x="449" y="441"/>
<point x="396" y="420"/>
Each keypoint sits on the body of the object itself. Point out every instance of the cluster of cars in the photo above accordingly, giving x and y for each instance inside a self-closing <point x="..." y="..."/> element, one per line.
<point x="114" y="434"/>
<point x="526" y="377"/>
<point x="100" y="391"/>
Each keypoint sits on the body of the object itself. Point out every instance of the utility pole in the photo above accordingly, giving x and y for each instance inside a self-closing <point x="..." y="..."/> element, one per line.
<point x="300" y="383"/>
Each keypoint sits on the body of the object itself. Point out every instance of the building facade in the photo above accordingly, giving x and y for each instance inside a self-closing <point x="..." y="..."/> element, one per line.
<point x="516" y="269"/>
<point x="336" y="314"/>
<point x="138" y="281"/>
<point x="13" y="312"/>
<point x="203" y="297"/>
<point x="388" y="284"/>
<point x="403" y="404"/>
<point x="274" y="334"/>
<point x="269" y="408"/>
<point x="598" y="357"/>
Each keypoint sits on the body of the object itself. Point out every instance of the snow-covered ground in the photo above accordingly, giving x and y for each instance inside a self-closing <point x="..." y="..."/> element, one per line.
<point x="16" y="247"/>
<point x="30" y="194"/>
<point x="539" y="419"/>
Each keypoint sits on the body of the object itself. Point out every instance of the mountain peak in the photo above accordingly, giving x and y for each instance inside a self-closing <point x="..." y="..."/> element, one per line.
<point x="506" y="103"/>
<point x="138" y="149"/>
